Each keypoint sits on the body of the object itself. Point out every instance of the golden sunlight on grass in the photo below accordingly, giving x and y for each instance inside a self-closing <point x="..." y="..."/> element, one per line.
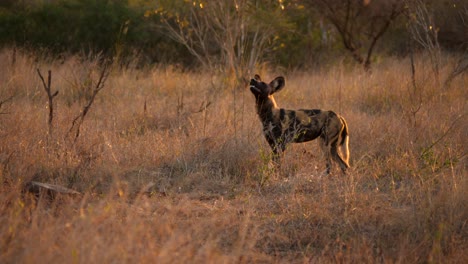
<point x="172" y="167"/>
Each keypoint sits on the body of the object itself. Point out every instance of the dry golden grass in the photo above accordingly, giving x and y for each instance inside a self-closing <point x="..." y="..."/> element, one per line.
<point x="181" y="182"/>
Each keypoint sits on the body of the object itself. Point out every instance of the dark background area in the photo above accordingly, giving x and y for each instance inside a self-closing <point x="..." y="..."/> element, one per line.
<point x="304" y="37"/>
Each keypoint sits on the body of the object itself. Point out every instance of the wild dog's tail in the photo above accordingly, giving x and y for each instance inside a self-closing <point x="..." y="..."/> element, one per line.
<point x="344" y="143"/>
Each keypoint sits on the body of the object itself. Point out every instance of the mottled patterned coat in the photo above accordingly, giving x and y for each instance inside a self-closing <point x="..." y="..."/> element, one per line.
<point x="281" y="126"/>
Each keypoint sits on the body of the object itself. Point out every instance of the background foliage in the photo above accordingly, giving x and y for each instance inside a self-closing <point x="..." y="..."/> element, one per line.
<point x="300" y="34"/>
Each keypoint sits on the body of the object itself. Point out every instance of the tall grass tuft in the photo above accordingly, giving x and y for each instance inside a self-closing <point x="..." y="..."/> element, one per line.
<point x="171" y="170"/>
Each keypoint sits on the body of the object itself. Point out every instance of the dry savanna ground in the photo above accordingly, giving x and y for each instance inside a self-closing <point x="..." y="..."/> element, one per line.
<point x="171" y="167"/>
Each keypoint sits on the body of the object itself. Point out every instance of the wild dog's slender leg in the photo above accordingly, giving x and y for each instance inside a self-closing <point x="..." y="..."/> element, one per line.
<point x="325" y="144"/>
<point x="277" y="149"/>
<point x="278" y="152"/>
<point x="276" y="155"/>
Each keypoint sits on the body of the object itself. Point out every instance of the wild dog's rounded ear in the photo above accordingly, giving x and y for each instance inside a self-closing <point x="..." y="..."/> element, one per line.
<point x="257" y="78"/>
<point x="277" y="84"/>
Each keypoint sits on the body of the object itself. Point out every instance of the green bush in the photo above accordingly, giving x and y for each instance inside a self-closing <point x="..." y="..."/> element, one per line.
<point x="303" y="37"/>
<point x="67" y="26"/>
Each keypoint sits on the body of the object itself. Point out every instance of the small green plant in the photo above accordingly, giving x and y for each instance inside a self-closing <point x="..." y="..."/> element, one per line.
<point x="267" y="167"/>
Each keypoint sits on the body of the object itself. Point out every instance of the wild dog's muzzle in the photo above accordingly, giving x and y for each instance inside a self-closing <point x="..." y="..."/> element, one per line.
<point x="253" y="87"/>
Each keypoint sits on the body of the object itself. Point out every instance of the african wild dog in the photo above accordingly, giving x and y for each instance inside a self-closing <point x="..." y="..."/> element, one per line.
<point x="281" y="126"/>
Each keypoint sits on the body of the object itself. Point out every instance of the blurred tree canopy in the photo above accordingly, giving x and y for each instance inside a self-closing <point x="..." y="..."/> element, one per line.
<point x="227" y="33"/>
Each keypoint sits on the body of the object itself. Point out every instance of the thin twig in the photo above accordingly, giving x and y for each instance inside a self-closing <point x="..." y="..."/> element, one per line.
<point x="452" y="125"/>
<point x="6" y="100"/>
<point x="50" y="97"/>
<point x="460" y="67"/>
<point x="78" y="120"/>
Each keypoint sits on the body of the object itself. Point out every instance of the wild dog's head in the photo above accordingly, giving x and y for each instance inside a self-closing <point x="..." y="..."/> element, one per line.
<point x="263" y="90"/>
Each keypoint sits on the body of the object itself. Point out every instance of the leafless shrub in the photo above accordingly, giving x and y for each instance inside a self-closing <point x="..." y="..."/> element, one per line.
<point x="460" y="67"/>
<point x="50" y="97"/>
<point x="360" y="24"/>
<point x="425" y="32"/>
<point x="230" y="36"/>
<point x="78" y="120"/>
